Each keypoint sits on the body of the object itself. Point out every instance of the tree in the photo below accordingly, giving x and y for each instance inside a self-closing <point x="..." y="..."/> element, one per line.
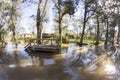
<point x="88" y="12"/>
<point x="98" y="14"/>
<point x="1" y="19"/>
<point x="13" y="18"/>
<point x="110" y="20"/>
<point x="76" y="26"/>
<point x="118" y="35"/>
<point x="40" y="18"/>
<point x="63" y="8"/>
<point x="4" y="18"/>
<point x="118" y="23"/>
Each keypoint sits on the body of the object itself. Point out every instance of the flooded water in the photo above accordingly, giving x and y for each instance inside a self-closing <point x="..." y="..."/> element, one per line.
<point x="73" y="63"/>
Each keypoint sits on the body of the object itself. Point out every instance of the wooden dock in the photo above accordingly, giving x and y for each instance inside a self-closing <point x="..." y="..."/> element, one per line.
<point x="43" y="45"/>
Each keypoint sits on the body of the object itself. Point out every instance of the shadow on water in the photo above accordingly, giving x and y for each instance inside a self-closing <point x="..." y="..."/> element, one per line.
<point x="75" y="63"/>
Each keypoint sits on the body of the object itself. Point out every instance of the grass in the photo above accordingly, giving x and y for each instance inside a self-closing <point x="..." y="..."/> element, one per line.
<point x="91" y="41"/>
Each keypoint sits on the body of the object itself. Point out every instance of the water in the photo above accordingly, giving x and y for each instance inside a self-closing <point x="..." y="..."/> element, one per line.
<point x="74" y="63"/>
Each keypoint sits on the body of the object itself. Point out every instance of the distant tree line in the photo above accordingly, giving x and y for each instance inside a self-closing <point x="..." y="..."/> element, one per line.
<point x="105" y="15"/>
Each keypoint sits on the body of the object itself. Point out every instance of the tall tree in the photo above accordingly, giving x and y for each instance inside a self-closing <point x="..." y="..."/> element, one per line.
<point x="88" y="8"/>
<point x="110" y="19"/>
<point x="14" y="18"/>
<point x="63" y="8"/>
<point x="118" y="35"/>
<point x="40" y="18"/>
<point x="4" y="18"/>
<point x="97" y="15"/>
<point x="118" y="23"/>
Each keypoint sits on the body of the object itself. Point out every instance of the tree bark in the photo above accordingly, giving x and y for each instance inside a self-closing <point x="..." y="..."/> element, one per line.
<point x="14" y="33"/>
<point x="118" y="22"/>
<point x="59" y="25"/>
<point x="0" y="33"/>
<point x="38" y="20"/>
<point x="118" y="35"/>
<point x="84" y="25"/>
<point x="60" y="31"/>
<point x="98" y="31"/>
<point x="13" y="23"/>
<point x="106" y="36"/>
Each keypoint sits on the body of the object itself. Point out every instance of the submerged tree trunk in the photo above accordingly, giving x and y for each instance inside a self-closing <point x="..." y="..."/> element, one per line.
<point x="98" y="31"/>
<point x="84" y="25"/>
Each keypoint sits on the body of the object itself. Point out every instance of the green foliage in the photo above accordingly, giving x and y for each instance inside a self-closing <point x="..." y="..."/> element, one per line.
<point x="64" y="39"/>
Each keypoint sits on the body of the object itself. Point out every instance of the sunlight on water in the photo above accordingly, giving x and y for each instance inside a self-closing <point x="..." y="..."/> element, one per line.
<point x="110" y="69"/>
<point x="49" y="61"/>
<point x="9" y="47"/>
<point x="12" y="66"/>
<point x="25" y="62"/>
<point x="106" y="65"/>
<point x="74" y="63"/>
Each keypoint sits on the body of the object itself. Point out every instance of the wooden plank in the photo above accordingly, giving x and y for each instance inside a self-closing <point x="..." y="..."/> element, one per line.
<point x="44" y="47"/>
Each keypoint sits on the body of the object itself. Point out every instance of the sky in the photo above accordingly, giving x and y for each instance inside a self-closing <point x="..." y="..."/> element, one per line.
<point x="28" y="23"/>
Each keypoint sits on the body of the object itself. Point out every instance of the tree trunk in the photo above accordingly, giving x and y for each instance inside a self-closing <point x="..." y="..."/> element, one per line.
<point x="13" y="25"/>
<point x="38" y="19"/>
<point x="118" y="22"/>
<point x="98" y="31"/>
<point x="14" y="34"/>
<point x="59" y="25"/>
<point x="118" y="35"/>
<point x="60" y="31"/>
<point x="41" y="28"/>
<point x="84" y="25"/>
<point x="113" y="30"/>
<point x="106" y="36"/>
<point x="42" y="18"/>
<point x="0" y="37"/>
<point x="0" y="34"/>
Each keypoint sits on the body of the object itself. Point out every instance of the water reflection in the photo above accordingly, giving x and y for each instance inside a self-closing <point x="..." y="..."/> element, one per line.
<point x="75" y="63"/>
<point x="106" y="65"/>
<point x="96" y="60"/>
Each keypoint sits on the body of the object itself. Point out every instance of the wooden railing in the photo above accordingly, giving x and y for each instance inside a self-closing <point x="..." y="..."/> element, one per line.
<point x="44" y="41"/>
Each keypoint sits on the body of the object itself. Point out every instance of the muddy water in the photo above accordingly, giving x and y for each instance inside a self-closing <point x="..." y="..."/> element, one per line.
<point x="87" y="63"/>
